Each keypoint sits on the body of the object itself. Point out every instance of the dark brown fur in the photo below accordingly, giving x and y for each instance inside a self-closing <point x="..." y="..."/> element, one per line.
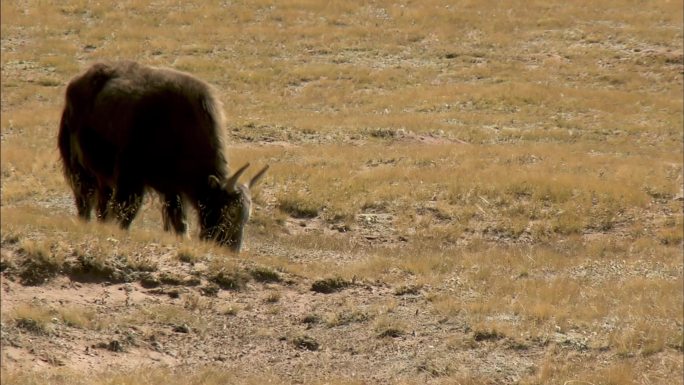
<point x="126" y="127"/>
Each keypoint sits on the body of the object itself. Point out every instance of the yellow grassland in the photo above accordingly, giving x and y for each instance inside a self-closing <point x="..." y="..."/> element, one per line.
<point x="521" y="162"/>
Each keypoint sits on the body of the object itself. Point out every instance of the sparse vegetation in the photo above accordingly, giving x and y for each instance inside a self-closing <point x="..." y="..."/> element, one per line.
<point x="347" y="315"/>
<point x="305" y="342"/>
<point x="187" y="256"/>
<point x="38" y="264"/>
<point x="486" y="192"/>
<point x="97" y="266"/>
<point x="272" y="297"/>
<point x="407" y="290"/>
<point x="34" y="319"/>
<point x="265" y="274"/>
<point x="230" y="280"/>
<point x="329" y="285"/>
<point x="388" y="327"/>
<point x="298" y="206"/>
<point x="78" y="317"/>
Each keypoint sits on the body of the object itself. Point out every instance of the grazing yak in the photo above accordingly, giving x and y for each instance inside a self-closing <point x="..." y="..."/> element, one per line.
<point x="126" y="127"/>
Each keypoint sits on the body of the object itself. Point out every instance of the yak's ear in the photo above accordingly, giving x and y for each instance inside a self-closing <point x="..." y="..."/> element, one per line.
<point x="214" y="182"/>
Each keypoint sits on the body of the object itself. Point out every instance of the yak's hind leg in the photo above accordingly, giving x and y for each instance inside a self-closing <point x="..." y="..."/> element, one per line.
<point x="84" y="188"/>
<point x="173" y="213"/>
<point x="84" y="201"/>
<point x="103" y="209"/>
<point x="126" y="202"/>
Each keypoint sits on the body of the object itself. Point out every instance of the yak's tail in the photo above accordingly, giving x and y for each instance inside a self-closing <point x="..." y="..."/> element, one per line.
<point x="80" y="94"/>
<point x="82" y="183"/>
<point x="64" y="144"/>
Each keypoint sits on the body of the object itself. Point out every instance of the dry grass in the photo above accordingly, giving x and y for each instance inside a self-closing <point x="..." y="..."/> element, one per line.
<point x="205" y="376"/>
<point x="79" y="317"/>
<point x="33" y="318"/>
<point x="516" y="168"/>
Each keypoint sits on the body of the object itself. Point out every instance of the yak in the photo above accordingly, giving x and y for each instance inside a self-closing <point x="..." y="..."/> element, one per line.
<point x="127" y="128"/>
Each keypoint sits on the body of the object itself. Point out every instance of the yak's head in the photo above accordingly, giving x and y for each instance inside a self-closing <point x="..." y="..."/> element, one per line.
<point x="228" y="208"/>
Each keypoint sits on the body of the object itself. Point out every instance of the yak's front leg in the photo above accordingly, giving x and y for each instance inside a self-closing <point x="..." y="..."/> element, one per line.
<point x="173" y="214"/>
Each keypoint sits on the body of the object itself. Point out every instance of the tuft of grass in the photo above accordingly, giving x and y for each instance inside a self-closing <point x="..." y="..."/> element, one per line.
<point x="305" y="342"/>
<point x="79" y="317"/>
<point x="298" y="206"/>
<point x="347" y="316"/>
<point x="311" y="319"/>
<point x="100" y="266"/>
<point x="169" y="278"/>
<point x="273" y="296"/>
<point x="672" y="236"/>
<point x="210" y="289"/>
<point x="329" y="285"/>
<point x="641" y="340"/>
<point x="148" y="280"/>
<point x="139" y="263"/>
<point x="435" y="367"/>
<point x="265" y="274"/>
<point x="168" y="315"/>
<point x="38" y="264"/>
<point x="230" y="280"/>
<point x="34" y="319"/>
<point x="187" y="255"/>
<point x="227" y="274"/>
<point x="446" y="305"/>
<point x="230" y="310"/>
<point x="568" y="223"/>
<point x="6" y="264"/>
<point x="389" y="327"/>
<point x="407" y="290"/>
<point x="194" y="301"/>
<point x="487" y="335"/>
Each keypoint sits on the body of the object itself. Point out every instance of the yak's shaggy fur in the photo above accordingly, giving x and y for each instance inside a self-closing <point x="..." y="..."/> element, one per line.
<point x="126" y="127"/>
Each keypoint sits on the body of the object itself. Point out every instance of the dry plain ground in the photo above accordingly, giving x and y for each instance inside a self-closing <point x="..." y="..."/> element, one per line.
<point x="466" y="192"/>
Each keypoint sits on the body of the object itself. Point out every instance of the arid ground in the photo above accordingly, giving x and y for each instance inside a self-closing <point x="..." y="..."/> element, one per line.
<point x="467" y="192"/>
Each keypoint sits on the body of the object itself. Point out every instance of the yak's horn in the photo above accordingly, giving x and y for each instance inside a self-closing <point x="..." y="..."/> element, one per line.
<point x="258" y="176"/>
<point x="231" y="183"/>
